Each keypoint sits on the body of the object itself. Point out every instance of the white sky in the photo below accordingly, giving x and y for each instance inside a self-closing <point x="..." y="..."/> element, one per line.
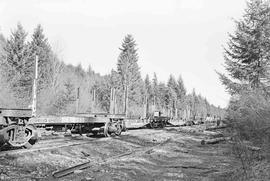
<point x="173" y="36"/>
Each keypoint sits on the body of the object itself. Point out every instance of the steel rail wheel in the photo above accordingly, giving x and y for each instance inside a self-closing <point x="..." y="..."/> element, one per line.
<point x="95" y="133"/>
<point x="162" y="124"/>
<point x="22" y="136"/>
<point x="151" y="124"/>
<point x="112" y="128"/>
<point x="106" y="129"/>
<point x="34" y="138"/>
<point x="2" y="140"/>
<point x="118" y="129"/>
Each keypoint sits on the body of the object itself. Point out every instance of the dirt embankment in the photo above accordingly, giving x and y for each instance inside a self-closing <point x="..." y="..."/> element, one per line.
<point x="143" y="154"/>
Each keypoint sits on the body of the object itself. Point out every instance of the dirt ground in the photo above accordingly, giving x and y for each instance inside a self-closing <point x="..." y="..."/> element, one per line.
<point x="172" y="153"/>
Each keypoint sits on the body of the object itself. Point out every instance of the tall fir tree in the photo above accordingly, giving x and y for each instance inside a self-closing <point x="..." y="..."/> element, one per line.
<point x="154" y="85"/>
<point x="181" y="90"/>
<point x="172" y="92"/>
<point x="40" y="46"/>
<point x="163" y="96"/>
<point x="147" y="85"/>
<point x="2" y="52"/>
<point x="207" y="106"/>
<point x="17" y="66"/>
<point x="128" y="70"/>
<point x="194" y="104"/>
<point x="2" y="45"/>
<point x="172" y="82"/>
<point x="248" y="51"/>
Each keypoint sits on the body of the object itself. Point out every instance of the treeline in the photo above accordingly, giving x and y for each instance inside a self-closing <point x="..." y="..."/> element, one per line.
<point x="58" y="83"/>
<point x="247" y="61"/>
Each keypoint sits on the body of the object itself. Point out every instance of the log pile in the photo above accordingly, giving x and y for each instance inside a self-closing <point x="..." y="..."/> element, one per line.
<point x="214" y="140"/>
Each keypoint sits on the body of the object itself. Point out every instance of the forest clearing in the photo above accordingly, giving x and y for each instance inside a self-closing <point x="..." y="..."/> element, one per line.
<point x="152" y="90"/>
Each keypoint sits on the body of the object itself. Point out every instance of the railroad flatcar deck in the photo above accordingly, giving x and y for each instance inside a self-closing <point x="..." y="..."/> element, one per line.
<point x="84" y="123"/>
<point x="15" y="112"/>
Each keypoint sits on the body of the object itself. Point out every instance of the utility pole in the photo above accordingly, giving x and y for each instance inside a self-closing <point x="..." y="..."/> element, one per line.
<point x="175" y="111"/>
<point x="78" y="100"/>
<point x="112" y="101"/>
<point x="154" y="104"/>
<point x="126" y="100"/>
<point x="146" y="107"/>
<point x="34" y="103"/>
<point x="93" y="103"/>
<point x="115" y="103"/>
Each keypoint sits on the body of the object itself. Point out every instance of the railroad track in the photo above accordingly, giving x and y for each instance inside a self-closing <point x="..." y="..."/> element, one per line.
<point x="142" y="149"/>
<point x="140" y="146"/>
<point x="49" y="145"/>
<point x="54" y="143"/>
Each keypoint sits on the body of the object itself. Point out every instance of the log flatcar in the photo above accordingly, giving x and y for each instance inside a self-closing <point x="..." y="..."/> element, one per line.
<point x="103" y="123"/>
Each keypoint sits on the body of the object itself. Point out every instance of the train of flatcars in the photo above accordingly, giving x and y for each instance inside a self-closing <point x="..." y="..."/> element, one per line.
<point x="19" y="127"/>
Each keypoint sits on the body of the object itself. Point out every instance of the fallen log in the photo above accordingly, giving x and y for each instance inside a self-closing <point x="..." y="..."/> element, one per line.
<point x="213" y="134"/>
<point x="70" y="170"/>
<point x="254" y="148"/>
<point x="216" y="127"/>
<point x="214" y="140"/>
<point x="187" y="167"/>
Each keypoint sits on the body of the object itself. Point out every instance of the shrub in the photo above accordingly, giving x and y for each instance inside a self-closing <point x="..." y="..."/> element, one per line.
<point x="249" y="118"/>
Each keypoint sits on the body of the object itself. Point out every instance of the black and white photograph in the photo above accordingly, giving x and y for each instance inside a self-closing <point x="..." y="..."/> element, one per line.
<point x="134" y="90"/>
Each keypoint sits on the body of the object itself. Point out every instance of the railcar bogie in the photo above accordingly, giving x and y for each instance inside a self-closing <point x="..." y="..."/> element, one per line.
<point x="15" y="129"/>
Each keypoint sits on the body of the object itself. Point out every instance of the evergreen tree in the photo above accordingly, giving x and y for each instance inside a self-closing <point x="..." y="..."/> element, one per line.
<point x="127" y="65"/>
<point x="2" y="54"/>
<point x="248" y="53"/>
<point x="172" y="82"/>
<point x="40" y="46"/>
<point x="6" y="95"/>
<point x="128" y="70"/>
<point x="17" y="68"/>
<point x="194" y="104"/>
<point x="154" y="85"/>
<point x="172" y="92"/>
<point x="207" y="105"/>
<point x="155" y="80"/>
<point x="181" y="90"/>
<point x="65" y="101"/>
<point x="163" y="96"/>
<point x="147" y="84"/>
<point x="103" y="90"/>
<point x="2" y="45"/>
<point x="148" y="93"/>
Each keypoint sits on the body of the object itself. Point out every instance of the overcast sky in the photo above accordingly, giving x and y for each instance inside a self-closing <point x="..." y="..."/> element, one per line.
<point x="178" y="37"/>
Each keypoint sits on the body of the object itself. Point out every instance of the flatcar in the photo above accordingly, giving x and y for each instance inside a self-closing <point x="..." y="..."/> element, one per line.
<point x="96" y="123"/>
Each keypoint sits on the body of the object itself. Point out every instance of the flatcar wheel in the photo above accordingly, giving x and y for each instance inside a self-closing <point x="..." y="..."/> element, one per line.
<point x="33" y="140"/>
<point x="151" y="124"/>
<point x="27" y="145"/>
<point x="106" y="129"/>
<point x="162" y="124"/>
<point x="95" y="133"/>
<point x="22" y="136"/>
<point x="118" y="129"/>
<point x="112" y="128"/>
<point x="2" y="140"/>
